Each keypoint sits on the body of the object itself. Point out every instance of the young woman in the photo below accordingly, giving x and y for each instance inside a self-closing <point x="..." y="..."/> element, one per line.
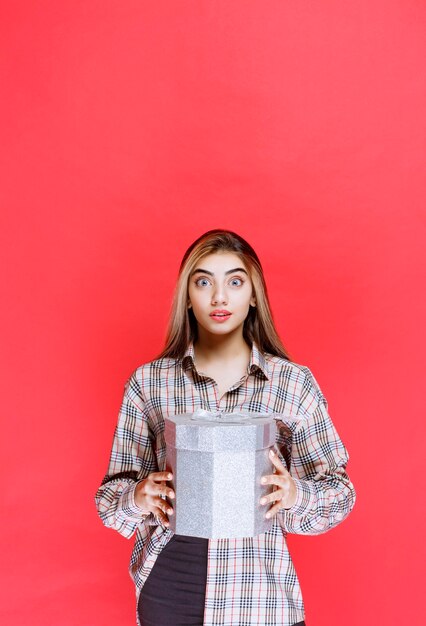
<point x="222" y="352"/>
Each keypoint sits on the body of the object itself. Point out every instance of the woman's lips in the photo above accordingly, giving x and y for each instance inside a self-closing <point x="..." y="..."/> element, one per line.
<point x="220" y="318"/>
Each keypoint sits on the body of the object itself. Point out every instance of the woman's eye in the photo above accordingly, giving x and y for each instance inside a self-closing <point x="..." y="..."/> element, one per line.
<point x="237" y="279"/>
<point x="197" y="282"/>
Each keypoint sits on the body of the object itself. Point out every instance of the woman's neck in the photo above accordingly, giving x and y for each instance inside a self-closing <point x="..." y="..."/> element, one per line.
<point x="211" y="349"/>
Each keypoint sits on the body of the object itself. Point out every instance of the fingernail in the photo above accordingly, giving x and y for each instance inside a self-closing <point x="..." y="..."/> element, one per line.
<point x="172" y="494"/>
<point x="271" y="452"/>
<point x="268" y="515"/>
<point x="263" y="480"/>
<point x="170" y="511"/>
<point x="170" y="476"/>
<point x="262" y="500"/>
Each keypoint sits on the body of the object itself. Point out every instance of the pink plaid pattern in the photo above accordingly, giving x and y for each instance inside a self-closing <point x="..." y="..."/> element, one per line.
<point x="250" y="581"/>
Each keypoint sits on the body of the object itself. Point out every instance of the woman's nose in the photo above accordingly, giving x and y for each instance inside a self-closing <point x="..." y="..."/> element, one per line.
<point x="219" y="295"/>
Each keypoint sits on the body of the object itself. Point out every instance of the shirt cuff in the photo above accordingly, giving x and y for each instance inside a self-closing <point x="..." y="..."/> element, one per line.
<point x="306" y="498"/>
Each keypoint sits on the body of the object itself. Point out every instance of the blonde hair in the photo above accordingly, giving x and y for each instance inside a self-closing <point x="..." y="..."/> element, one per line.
<point x="258" y="325"/>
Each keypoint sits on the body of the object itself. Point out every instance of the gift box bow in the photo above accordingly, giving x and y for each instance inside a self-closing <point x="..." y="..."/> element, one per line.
<point x="232" y="417"/>
<point x="239" y="417"/>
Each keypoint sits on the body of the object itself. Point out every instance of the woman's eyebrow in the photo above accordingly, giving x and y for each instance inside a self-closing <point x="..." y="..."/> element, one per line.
<point x="201" y="271"/>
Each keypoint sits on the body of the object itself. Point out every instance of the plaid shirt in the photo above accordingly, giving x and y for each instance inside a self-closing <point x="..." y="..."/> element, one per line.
<point x="252" y="580"/>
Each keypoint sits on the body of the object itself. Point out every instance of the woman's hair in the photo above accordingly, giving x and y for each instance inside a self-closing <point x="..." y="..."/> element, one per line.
<point x="258" y="325"/>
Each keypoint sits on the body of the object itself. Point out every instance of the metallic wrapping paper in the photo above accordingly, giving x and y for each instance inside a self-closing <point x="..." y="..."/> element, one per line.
<point x="217" y="463"/>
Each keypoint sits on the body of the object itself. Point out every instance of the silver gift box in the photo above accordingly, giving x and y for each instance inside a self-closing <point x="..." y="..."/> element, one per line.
<point x="217" y="460"/>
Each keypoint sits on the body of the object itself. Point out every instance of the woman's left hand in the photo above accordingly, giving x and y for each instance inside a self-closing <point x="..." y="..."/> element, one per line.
<point x="285" y="492"/>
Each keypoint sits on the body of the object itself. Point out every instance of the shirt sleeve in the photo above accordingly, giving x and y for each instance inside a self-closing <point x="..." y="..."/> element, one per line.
<point x="325" y="494"/>
<point x="132" y="458"/>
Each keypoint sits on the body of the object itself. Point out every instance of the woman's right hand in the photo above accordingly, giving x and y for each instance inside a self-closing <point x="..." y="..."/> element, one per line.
<point x="147" y="495"/>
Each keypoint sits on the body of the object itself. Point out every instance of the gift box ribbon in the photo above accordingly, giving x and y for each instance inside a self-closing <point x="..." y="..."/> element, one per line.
<point x="233" y="417"/>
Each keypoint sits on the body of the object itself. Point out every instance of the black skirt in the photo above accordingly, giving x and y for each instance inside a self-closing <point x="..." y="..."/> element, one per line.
<point x="174" y="592"/>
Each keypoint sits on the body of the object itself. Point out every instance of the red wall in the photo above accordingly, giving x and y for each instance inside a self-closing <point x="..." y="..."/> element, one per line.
<point x="128" y="129"/>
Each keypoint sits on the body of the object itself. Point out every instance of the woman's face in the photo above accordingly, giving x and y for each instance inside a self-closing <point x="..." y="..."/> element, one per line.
<point x="220" y="282"/>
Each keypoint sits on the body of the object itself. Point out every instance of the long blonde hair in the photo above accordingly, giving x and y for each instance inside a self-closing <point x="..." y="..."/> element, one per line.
<point x="258" y="325"/>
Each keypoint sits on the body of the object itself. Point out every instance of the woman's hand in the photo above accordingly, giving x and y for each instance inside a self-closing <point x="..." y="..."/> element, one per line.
<point x="285" y="492"/>
<point x="147" y="495"/>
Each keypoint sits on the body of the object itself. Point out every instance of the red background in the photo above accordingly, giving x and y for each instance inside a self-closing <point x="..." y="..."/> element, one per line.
<point x="128" y="129"/>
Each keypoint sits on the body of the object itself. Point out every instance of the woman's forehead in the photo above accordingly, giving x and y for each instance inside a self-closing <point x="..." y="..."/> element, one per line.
<point x="221" y="260"/>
